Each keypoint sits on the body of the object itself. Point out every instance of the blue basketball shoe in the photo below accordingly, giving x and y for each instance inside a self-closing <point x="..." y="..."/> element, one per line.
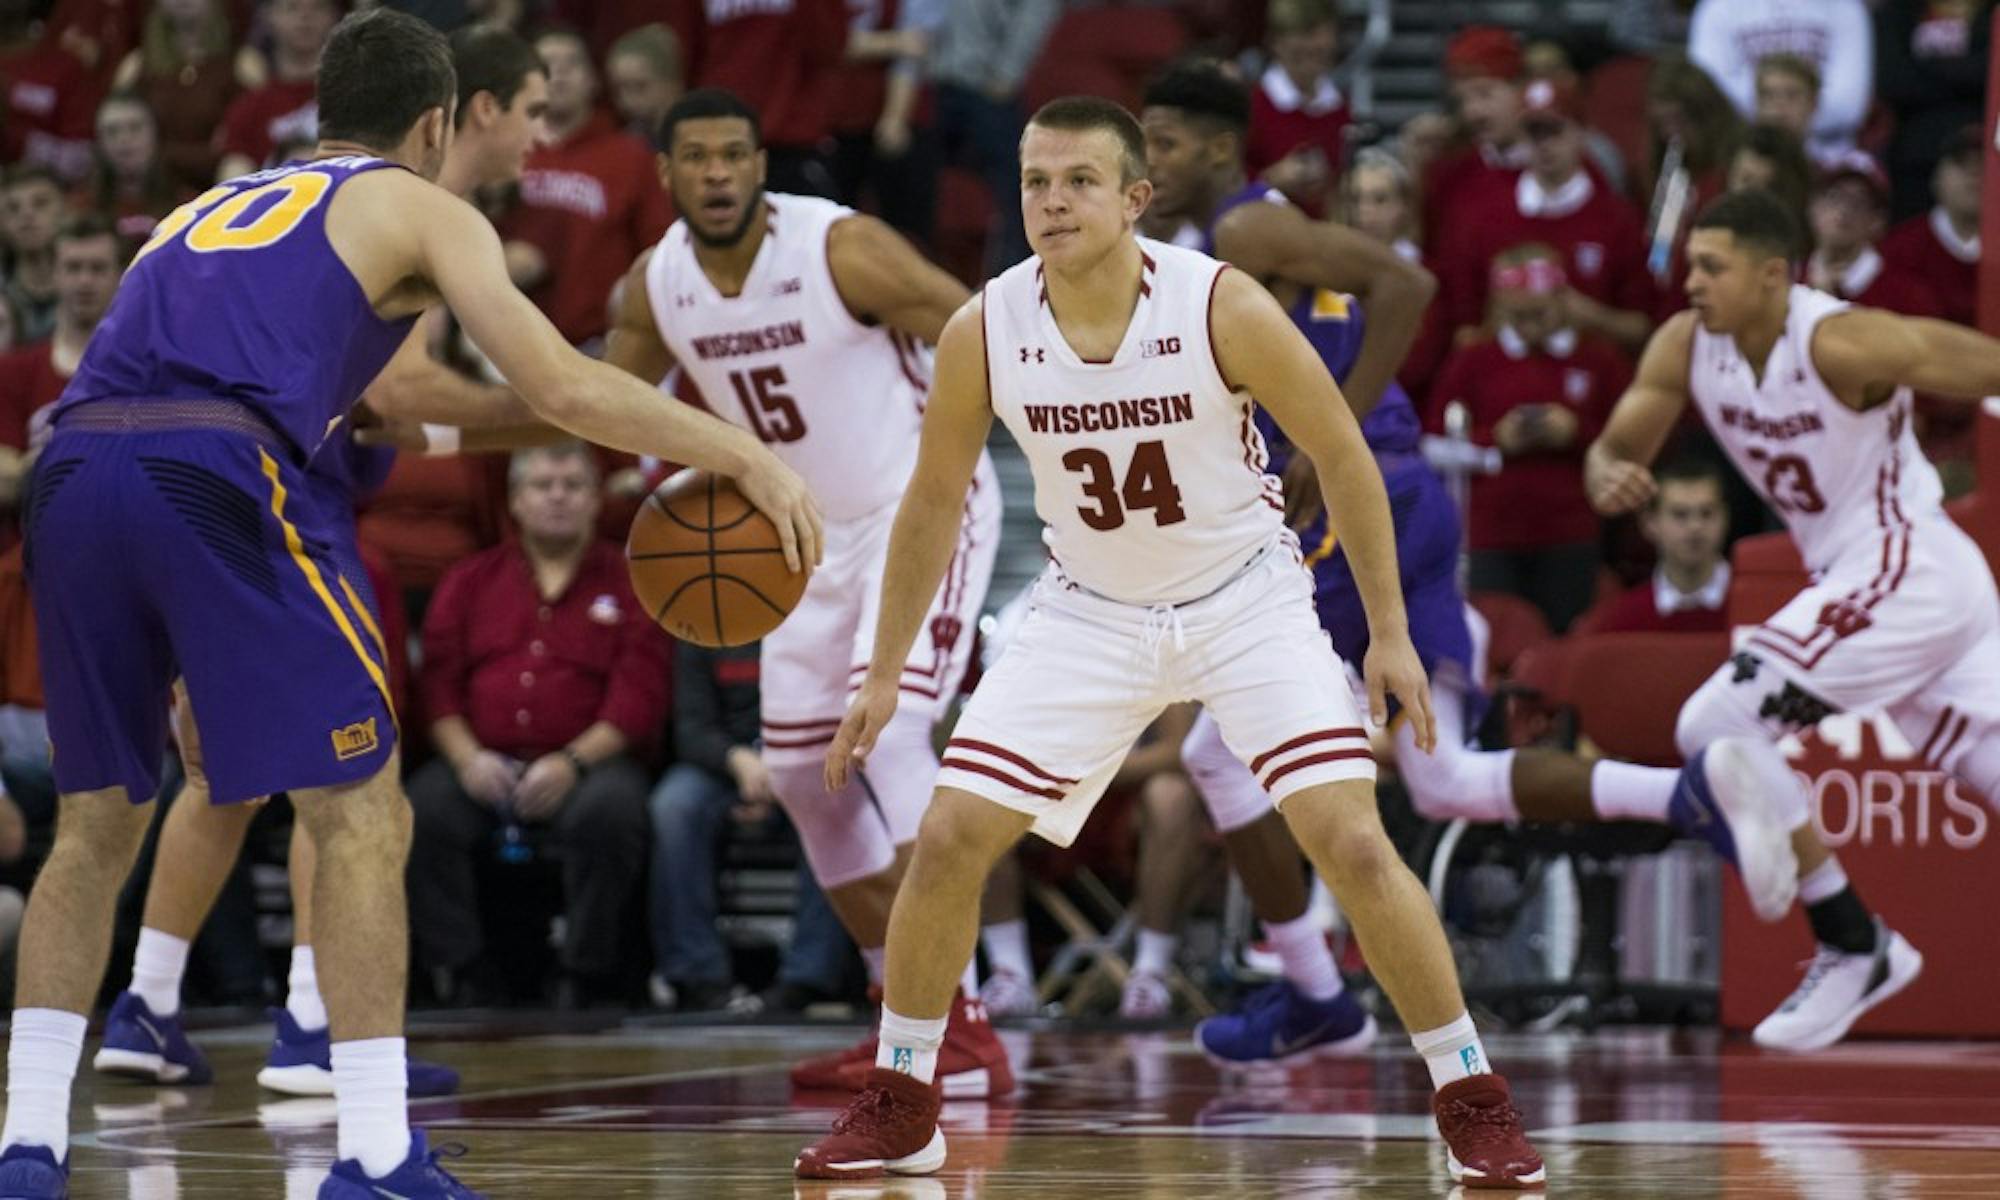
<point x="140" y="1044"/>
<point x="1279" y="1023"/>
<point x="301" y="1064"/>
<point x="32" y="1173"/>
<point x="419" y="1178"/>
<point x="1730" y="795"/>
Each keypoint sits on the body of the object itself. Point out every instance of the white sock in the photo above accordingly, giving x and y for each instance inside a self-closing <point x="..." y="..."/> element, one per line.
<point x="1452" y="1052"/>
<point x="1308" y="964"/>
<point x="302" y="998"/>
<point x="1156" y="952"/>
<point x="1007" y="948"/>
<point x="1823" y="882"/>
<point x="1623" y="792"/>
<point x="41" y="1063"/>
<point x="876" y="958"/>
<point x="370" y="1082"/>
<point x="969" y="982"/>
<point x="154" y="1181"/>
<point x="157" y="967"/>
<point x="909" y="1045"/>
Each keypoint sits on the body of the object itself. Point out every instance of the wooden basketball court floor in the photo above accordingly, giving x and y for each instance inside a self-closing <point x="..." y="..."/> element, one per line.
<point x="656" y="1109"/>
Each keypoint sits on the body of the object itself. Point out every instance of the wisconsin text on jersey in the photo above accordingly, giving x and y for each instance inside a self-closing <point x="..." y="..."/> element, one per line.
<point x="1144" y="412"/>
<point x="1778" y="428"/>
<point x="751" y="341"/>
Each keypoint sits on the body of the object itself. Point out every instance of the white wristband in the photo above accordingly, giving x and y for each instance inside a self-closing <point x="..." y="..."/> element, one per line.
<point x="441" y="441"/>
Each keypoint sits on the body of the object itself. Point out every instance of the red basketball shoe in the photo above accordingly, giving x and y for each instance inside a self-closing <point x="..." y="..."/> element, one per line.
<point x="890" y="1128"/>
<point x="1482" y="1131"/>
<point x="972" y="1062"/>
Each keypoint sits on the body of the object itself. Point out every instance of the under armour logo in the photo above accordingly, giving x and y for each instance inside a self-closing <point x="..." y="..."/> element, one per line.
<point x="684" y="300"/>
<point x="1038" y="352"/>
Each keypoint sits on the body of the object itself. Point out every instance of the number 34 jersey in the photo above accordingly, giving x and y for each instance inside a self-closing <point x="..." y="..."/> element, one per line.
<point x="840" y="401"/>
<point x="1839" y="478"/>
<point x="1149" y="471"/>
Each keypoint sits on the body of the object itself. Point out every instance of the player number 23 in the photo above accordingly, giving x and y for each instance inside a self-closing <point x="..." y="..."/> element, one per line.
<point x="1148" y="484"/>
<point x="216" y="216"/>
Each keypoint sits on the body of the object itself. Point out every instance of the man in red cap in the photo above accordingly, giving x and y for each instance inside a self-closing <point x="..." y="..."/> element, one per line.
<point x="1559" y="202"/>
<point x="1483" y="67"/>
<point x="1848" y="210"/>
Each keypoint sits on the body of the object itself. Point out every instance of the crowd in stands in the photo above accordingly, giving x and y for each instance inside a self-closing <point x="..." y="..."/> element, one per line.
<point x="1550" y="195"/>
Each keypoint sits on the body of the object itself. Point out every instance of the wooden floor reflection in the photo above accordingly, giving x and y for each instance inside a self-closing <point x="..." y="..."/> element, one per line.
<point x="678" y="1111"/>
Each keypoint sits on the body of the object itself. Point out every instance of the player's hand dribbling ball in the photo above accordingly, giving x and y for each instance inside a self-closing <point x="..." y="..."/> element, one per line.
<point x="707" y="565"/>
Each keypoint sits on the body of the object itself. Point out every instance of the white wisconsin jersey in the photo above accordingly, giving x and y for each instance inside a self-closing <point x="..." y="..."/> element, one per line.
<point x="1149" y="472"/>
<point x="1838" y="477"/>
<point x="841" y="402"/>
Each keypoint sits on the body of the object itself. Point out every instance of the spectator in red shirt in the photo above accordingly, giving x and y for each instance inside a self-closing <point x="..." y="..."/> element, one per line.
<point x="89" y="260"/>
<point x="781" y="57"/>
<point x="1558" y="202"/>
<point x="129" y="183"/>
<point x="1539" y="390"/>
<point x="1688" y="523"/>
<point x="1298" y="118"/>
<point x="1849" y="207"/>
<point x="189" y="68"/>
<point x="31" y="213"/>
<point x="544" y="680"/>
<point x="1942" y="246"/>
<point x="880" y="147"/>
<point x="646" y="76"/>
<point x="590" y="200"/>
<point x="287" y="108"/>
<point x="49" y="97"/>
<point x="1484" y="68"/>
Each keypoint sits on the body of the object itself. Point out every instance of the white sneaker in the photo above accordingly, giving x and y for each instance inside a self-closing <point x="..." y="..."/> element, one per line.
<point x="1147" y="998"/>
<point x="1837" y="989"/>
<point x="1006" y="994"/>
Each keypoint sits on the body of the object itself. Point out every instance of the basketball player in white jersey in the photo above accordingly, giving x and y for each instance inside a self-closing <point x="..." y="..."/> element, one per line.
<point x="1811" y="397"/>
<point x="808" y="324"/>
<point x="1128" y="370"/>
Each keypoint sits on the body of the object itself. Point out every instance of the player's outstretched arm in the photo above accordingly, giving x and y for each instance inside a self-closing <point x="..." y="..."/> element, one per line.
<point x="415" y="387"/>
<point x="1277" y="241"/>
<point x="880" y="275"/>
<point x="459" y="252"/>
<point x="1259" y="349"/>
<point x="634" y="343"/>
<point x="1617" y="469"/>
<point x="1865" y="354"/>
<point x="956" y="422"/>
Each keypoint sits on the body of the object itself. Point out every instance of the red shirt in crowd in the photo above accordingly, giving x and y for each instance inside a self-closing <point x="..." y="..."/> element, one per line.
<point x="779" y="55"/>
<point x="434" y="512"/>
<point x="590" y="203"/>
<point x="28" y="380"/>
<point x="1874" y="282"/>
<point x="1656" y="606"/>
<point x="1464" y="181"/>
<point x="1536" y="499"/>
<point x="51" y="110"/>
<point x="258" y="122"/>
<point x="529" y="674"/>
<point x="1598" y="232"/>
<point x="1284" y="119"/>
<point x="857" y="92"/>
<point x="1928" y="248"/>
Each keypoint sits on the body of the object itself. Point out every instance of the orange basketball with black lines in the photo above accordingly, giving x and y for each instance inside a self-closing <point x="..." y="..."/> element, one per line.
<point x="708" y="566"/>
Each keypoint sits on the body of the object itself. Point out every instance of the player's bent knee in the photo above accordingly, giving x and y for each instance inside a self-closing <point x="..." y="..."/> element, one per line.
<point x="967" y="832"/>
<point x="372" y="814"/>
<point x="1169" y="801"/>
<point x="104" y="826"/>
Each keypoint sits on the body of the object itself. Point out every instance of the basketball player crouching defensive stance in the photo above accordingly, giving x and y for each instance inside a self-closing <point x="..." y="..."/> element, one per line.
<point x="1127" y="369"/>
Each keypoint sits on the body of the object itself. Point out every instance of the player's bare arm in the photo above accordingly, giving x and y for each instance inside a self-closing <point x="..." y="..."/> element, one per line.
<point x="634" y="343"/>
<point x="1261" y="351"/>
<point x="1617" y="469"/>
<point x="882" y="277"/>
<point x="956" y="422"/>
<point x="1865" y="354"/>
<point x="400" y="236"/>
<point x="1277" y="241"/>
<point x="415" y="386"/>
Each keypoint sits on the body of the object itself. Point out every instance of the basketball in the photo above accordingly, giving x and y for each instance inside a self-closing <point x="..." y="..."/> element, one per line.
<point x="707" y="565"/>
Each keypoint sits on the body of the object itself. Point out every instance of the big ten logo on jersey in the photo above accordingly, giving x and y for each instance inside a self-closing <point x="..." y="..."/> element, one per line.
<point x="1901" y="803"/>
<point x="1159" y="347"/>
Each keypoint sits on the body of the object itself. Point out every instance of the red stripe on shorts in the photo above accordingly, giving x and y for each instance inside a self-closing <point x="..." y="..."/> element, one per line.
<point x="1010" y="756"/>
<point x="1271" y="780"/>
<point x="1002" y="776"/>
<point x="1306" y="739"/>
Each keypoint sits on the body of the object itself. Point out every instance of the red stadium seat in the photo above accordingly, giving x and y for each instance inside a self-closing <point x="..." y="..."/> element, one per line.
<point x="1515" y="624"/>
<point x="1628" y="688"/>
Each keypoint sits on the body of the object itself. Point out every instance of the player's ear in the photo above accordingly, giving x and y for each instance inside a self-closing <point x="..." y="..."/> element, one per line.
<point x="663" y="164"/>
<point x="1138" y="194"/>
<point x="763" y="165"/>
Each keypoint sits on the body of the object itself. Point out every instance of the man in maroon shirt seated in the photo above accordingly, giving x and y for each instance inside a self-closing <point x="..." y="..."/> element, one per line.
<point x="1942" y="246"/>
<point x="1849" y="209"/>
<point x="1687" y="523"/>
<point x="1539" y="391"/>
<point x="542" y="678"/>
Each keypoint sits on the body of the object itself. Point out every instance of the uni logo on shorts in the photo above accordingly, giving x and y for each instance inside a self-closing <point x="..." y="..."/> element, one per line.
<point x="353" y="741"/>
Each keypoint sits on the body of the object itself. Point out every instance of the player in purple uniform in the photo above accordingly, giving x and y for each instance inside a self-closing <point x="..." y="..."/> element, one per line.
<point x="166" y="534"/>
<point x="1195" y="118"/>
